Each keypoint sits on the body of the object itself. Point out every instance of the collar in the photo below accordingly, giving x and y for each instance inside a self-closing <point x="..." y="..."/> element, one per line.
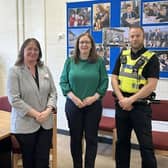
<point x="138" y="53"/>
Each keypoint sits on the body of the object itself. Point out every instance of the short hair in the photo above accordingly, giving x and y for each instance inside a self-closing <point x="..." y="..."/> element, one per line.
<point x="137" y="27"/>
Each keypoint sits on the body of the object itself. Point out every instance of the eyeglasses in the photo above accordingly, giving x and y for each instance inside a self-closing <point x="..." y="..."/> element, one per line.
<point x="84" y="42"/>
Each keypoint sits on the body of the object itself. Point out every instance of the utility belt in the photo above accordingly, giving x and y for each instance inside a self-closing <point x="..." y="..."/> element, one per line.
<point x="148" y="100"/>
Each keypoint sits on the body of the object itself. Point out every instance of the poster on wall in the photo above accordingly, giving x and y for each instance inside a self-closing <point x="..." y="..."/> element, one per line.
<point x="155" y="12"/>
<point x="79" y="17"/>
<point x="130" y="13"/>
<point x="73" y="35"/>
<point x="156" y="36"/>
<point x="71" y="52"/>
<point x="101" y="16"/>
<point x="163" y="60"/>
<point x="108" y="22"/>
<point x="117" y="36"/>
<point x="104" y="52"/>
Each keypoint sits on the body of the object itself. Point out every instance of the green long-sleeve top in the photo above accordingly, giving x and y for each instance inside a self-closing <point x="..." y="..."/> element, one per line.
<point x="83" y="78"/>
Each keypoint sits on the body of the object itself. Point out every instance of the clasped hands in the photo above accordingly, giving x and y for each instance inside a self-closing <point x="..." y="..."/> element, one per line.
<point x="43" y="116"/>
<point x="85" y="102"/>
<point x="126" y="103"/>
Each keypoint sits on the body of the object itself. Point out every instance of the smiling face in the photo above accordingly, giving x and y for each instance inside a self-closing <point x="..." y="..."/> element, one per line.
<point x="31" y="53"/>
<point x="136" y="36"/>
<point x="85" y="45"/>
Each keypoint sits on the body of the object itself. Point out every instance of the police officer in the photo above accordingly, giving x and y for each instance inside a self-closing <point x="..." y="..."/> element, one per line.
<point x="135" y="77"/>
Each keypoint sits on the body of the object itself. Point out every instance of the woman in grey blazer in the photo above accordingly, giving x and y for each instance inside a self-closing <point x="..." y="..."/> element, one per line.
<point x="32" y="94"/>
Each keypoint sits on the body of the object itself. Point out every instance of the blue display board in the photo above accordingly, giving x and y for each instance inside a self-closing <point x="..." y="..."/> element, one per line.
<point x="108" y="21"/>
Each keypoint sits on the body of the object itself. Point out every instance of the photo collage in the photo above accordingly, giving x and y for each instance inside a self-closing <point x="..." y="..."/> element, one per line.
<point x="108" y="22"/>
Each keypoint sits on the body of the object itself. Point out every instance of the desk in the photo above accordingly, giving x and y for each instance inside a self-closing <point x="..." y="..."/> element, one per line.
<point x="4" y="124"/>
<point x="5" y="143"/>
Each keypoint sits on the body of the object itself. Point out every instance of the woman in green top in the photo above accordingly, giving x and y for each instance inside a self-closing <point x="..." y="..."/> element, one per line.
<point x="84" y="82"/>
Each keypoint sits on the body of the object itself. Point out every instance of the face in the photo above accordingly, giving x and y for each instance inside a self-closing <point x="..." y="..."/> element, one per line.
<point x="31" y="53"/>
<point x="97" y="10"/>
<point x="136" y="37"/>
<point x="85" y="45"/>
<point x="163" y="11"/>
<point x="129" y="9"/>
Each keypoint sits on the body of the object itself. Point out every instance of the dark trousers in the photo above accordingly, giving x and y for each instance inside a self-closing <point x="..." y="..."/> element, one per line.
<point x="35" y="148"/>
<point x="138" y="119"/>
<point x="81" y="122"/>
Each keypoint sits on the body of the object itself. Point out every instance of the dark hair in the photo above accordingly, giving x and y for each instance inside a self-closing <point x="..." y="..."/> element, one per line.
<point x="20" y="59"/>
<point x="128" y="5"/>
<point x="137" y="27"/>
<point x="92" y="55"/>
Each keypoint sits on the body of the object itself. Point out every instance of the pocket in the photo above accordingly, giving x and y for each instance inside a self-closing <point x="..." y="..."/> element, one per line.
<point x="25" y="124"/>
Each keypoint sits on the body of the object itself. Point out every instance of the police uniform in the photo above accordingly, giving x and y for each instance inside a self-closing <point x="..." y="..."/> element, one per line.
<point x="132" y="70"/>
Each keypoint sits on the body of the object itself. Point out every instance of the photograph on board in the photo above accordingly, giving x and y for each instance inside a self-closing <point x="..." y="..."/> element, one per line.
<point x="101" y="16"/>
<point x="104" y="52"/>
<point x="71" y="52"/>
<point x="79" y="17"/>
<point x="117" y="36"/>
<point x="163" y="60"/>
<point x="73" y="35"/>
<point x="155" y="12"/>
<point x="156" y="36"/>
<point x="130" y="13"/>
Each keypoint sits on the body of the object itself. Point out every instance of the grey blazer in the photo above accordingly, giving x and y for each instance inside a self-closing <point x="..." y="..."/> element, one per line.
<point x="23" y="95"/>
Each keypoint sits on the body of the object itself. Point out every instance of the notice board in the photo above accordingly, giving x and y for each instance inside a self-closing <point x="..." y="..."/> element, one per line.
<point x="108" y="22"/>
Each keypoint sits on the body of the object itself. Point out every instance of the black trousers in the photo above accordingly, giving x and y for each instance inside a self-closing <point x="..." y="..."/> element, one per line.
<point x="81" y="122"/>
<point x="35" y="148"/>
<point x="139" y="119"/>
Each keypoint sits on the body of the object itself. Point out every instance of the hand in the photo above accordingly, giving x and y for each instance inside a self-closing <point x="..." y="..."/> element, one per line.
<point x="126" y="103"/>
<point x="43" y="116"/>
<point x="128" y="108"/>
<point x="78" y="102"/>
<point x="89" y="100"/>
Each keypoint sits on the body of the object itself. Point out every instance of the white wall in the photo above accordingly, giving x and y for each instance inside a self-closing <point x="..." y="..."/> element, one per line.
<point x="8" y="39"/>
<point x="44" y="20"/>
<point x="56" y="49"/>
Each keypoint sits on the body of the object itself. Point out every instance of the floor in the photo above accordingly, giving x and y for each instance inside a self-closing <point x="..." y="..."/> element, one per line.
<point x="104" y="158"/>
